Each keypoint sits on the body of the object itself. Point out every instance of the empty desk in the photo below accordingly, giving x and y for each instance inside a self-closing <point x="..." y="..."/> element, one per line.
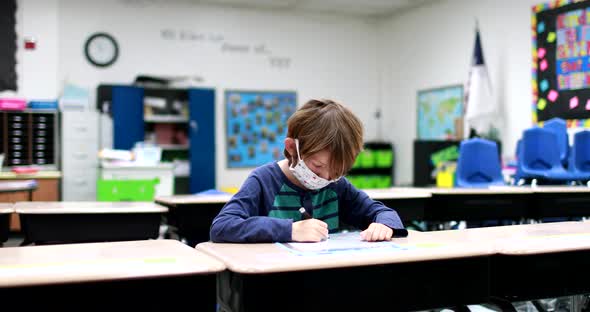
<point x="69" y="222"/>
<point x="417" y="272"/>
<point x="5" y="211"/>
<point x="152" y="274"/>
<point x="541" y="261"/>
<point x="478" y="204"/>
<point x="560" y="201"/>
<point x="193" y="214"/>
<point x="410" y="203"/>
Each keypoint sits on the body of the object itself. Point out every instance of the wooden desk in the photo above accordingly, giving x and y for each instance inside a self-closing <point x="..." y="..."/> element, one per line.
<point x="193" y="214"/>
<point x="409" y="202"/>
<point x="5" y="211"/>
<point x="478" y="204"/>
<point x="542" y="261"/>
<point x="47" y="190"/>
<point x="50" y="222"/>
<point x="262" y="277"/>
<point x="153" y="274"/>
<point x="560" y="201"/>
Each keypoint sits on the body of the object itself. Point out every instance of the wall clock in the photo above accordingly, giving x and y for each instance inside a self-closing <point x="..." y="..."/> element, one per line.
<point x="101" y="49"/>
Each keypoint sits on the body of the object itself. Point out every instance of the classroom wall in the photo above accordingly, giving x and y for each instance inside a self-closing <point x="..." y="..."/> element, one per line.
<point x="432" y="46"/>
<point x="37" y="69"/>
<point x="328" y="56"/>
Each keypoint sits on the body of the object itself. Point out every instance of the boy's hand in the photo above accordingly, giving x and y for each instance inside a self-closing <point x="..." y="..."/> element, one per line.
<point x="311" y="230"/>
<point x="377" y="232"/>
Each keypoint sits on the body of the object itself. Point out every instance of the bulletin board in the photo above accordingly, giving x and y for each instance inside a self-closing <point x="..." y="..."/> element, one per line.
<point x="256" y="126"/>
<point x="8" y="47"/>
<point x="561" y="62"/>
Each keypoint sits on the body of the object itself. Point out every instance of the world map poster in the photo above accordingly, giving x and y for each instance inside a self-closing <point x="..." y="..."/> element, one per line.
<point x="437" y="111"/>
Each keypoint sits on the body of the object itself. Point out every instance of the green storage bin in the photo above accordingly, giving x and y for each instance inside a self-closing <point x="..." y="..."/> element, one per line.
<point x="126" y="190"/>
<point x="383" y="158"/>
<point x="367" y="159"/>
<point x="383" y="182"/>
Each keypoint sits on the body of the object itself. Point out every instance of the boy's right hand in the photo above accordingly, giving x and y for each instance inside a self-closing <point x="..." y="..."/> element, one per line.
<point x="310" y="230"/>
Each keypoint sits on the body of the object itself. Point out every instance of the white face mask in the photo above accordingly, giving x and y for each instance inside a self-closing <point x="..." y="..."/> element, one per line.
<point x="307" y="177"/>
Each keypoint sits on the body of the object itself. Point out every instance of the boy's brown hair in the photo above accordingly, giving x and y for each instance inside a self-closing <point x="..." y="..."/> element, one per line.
<point x="326" y="124"/>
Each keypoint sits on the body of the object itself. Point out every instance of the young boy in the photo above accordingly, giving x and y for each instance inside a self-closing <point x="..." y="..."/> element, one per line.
<point x="323" y="141"/>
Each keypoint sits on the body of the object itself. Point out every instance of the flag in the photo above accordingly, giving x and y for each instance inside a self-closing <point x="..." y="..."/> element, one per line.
<point x="481" y="111"/>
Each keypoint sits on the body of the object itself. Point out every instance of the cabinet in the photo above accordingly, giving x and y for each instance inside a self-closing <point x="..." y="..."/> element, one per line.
<point x="30" y="138"/>
<point x="80" y="155"/>
<point x="133" y="122"/>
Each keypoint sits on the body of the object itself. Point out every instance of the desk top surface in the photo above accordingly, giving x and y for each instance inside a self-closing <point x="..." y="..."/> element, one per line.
<point x="6" y="208"/>
<point x="268" y="258"/>
<point x="38" y="265"/>
<point x="377" y="194"/>
<point x="546" y="238"/>
<point x="523" y="239"/>
<point x="193" y="199"/>
<point x="481" y="191"/>
<point x="17" y="186"/>
<point x="87" y="207"/>
<point x="6" y="175"/>
<point x="398" y="193"/>
<point x="560" y="189"/>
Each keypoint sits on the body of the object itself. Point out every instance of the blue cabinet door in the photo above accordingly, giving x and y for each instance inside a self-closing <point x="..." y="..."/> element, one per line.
<point x="127" y="108"/>
<point x="202" y="139"/>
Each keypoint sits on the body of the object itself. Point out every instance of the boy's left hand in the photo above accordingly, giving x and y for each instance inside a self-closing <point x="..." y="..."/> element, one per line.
<point x="376" y="232"/>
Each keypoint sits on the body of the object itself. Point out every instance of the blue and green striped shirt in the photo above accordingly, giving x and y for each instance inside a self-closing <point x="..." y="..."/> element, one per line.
<point x="267" y="204"/>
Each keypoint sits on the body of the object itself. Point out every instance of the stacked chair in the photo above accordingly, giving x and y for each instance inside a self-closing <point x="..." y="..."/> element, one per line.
<point x="544" y="155"/>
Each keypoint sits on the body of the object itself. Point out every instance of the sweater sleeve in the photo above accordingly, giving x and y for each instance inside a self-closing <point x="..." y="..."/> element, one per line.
<point x="359" y="210"/>
<point x="240" y="222"/>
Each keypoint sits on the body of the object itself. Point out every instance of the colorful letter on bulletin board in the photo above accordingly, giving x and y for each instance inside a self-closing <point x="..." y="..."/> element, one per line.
<point x="561" y="61"/>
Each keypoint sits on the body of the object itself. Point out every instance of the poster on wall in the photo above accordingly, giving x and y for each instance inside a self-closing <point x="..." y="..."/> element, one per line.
<point x="438" y="110"/>
<point x="256" y="126"/>
<point x="561" y="62"/>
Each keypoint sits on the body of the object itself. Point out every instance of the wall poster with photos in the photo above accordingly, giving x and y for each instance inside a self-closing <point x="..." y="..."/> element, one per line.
<point x="256" y="126"/>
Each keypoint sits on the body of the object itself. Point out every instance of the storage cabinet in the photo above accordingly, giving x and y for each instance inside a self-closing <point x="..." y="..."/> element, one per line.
<point x="127" y="107"/>
<point x="30" y="138"/>
<point x="80" y="155"/>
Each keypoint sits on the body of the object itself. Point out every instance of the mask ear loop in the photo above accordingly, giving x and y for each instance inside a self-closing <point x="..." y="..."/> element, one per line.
<point x="298" y="156"/>
<point x="297" y="147"/>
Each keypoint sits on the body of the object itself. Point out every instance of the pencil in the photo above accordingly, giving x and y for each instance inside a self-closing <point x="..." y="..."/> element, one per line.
<point x="304" y="214"/>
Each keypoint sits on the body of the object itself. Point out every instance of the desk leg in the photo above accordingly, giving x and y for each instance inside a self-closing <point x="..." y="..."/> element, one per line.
<point x="503" y="304"/>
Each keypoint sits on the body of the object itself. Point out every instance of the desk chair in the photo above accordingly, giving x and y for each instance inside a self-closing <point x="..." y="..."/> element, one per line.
<point x="559" y="127"/>
<point x="540" y="159"/>
<point x="478" y="164"/>
<point x="579" y="163"/>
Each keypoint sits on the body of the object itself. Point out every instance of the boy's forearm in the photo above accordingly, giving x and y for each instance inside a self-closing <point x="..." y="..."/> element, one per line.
<point x="251" y="230"/>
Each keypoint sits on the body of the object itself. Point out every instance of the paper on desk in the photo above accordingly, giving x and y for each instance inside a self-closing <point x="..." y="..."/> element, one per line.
<point x="341" y="243"/>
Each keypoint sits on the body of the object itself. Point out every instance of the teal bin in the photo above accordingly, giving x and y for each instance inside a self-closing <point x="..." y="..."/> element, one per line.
<point x="126" y="190"/>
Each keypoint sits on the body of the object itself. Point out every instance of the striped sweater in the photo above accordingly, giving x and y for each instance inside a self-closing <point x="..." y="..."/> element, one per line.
<point x="267" y="204"/>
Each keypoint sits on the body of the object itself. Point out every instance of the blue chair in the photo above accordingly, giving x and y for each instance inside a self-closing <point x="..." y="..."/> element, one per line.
<point x="478" y="164"/>
<point x="579" y="163"/>
<point x="559" y="127"/>
<point x="539" y="157"/>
